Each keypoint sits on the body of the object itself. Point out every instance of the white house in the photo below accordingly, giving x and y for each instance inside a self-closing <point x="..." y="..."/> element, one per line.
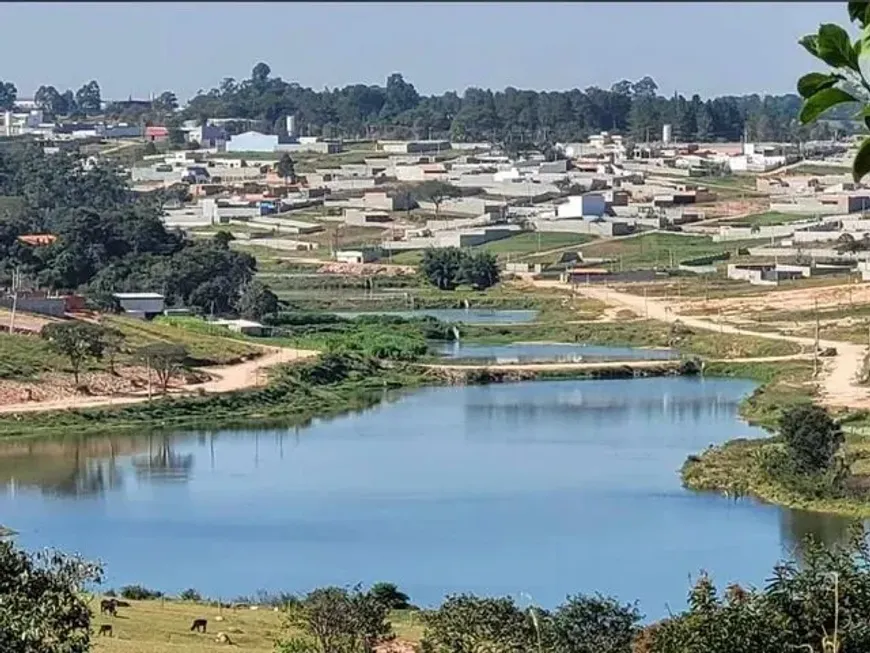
<point x="590" y="205"/>
<point x="252" y="142"/>
<point x="140" y="304"/>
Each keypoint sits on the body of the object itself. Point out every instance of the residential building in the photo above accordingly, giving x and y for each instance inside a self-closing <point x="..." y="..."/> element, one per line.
<point x="412" y="147"/>
<point x="590" y="205"/>
<point x="143" y="305"/>
<point x="208" y="136"/>
<point x="156" y="133"/>
<point x="357" y="255"/>
<point x="388" y="201"/>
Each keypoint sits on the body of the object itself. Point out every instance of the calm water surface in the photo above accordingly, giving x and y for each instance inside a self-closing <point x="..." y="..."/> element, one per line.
<point x="541" y="489"/>
<point x="530" y="352"/>
<point x="469" y="315"/>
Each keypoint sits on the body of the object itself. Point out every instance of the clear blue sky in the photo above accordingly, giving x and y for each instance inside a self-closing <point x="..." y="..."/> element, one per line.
<point x="131" y="48"/>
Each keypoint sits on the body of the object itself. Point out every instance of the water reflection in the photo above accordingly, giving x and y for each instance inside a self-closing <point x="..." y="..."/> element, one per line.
<point x="79" y="466"/>
<point x="797" y="525"/>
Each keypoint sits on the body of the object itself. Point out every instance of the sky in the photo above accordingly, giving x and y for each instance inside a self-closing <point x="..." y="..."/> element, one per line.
<point x="709" y="48"/>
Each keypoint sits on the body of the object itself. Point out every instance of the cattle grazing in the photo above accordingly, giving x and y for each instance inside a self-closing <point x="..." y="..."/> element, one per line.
<point x="198" y="624"/>
<point x="109" y="606"/>
<point x="106" y="629"/>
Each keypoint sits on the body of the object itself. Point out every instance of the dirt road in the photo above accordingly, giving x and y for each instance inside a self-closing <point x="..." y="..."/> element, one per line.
<point x="224" y="379"/>
<point x="838" y="381"/>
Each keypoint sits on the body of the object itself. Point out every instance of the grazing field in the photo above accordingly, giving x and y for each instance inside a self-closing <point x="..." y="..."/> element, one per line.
<point x="521" y="245"/>
<point x="662" y="250"/>
<point x="164" y="627"/>
<point x="768" y="219"/>
<point x="25" y="357"/>
<point x="206" y="348"/>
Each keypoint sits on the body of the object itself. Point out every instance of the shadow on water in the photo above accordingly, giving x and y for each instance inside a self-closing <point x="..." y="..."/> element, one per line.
<point x="797" y="525"/>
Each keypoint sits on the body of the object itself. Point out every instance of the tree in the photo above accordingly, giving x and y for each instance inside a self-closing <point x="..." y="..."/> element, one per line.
<point x="257" y="300"/>
<point x="113" y="340"/>
<point x="286" y="168"/>
<point x="848" y="85"/>
<point x="442" y="267"/>
<point x="8" y="95"/>
<point x="78" y="341"/>
<point x="390" y="595"/>
<point x="42" y="608"/>
<point x="222" y="239"/>
<point x="811" y="436"/>
<point x="479" y="269"/>
<point x="260" y="73"/>
<point x="335" y="620"/>
<point x="165" y="359"/>
<point x="468" y="624"/>
<point x="50" y="100"/>
<point x="436" y="192"/>
<point x="88" y="98"/>
<point x="166" y="102"/>
<point x="592" y="624"/>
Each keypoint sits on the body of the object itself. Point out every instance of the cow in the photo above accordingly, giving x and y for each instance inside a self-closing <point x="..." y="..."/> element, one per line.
<point x="109" y="606"/>
<point x="106" y="629"/>
<point x="198" y="624"/>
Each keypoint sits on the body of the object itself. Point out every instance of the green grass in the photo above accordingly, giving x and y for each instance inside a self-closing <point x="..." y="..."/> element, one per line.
<point x="25" y="357"/>
<point x="818" y="170"/>
<point x="158" y="626"/>
<point x="521" y="245"/>
<point x="658" y="250"/>
<point x="768" y="219"/>
<point x="206" y="347"/>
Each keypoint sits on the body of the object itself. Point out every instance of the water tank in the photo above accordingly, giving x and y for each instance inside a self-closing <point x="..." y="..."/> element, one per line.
<point x="291" y="126"/>
<point x="666" y="134"/>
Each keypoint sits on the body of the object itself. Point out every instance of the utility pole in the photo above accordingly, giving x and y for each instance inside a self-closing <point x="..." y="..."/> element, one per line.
<point x="16" y="282"/>
<point x="816" y="345"/>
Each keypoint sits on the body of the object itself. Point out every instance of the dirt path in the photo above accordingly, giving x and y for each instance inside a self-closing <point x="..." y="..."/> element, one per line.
<point x="225" y="378"/>
<point x="840" y="373"/>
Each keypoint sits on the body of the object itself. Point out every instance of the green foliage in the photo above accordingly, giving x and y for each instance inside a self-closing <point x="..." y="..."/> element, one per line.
<point x="811" y="436"/>
<point x="138" y="593"/>
<point x="165" y="359"/>
<point x="469" y="624"/>
<point x="448" y="267"/>
<point x="592" y="624"/>
<point x="42" y="609"/>
<point x="286" y="168"/>
<point x="257" y="300"/>
<point x="436" y="192"/>
<point x="848" y="84"/>
<point x="335" y="620"/>
<point x="390" y="595"/>
<point x="78" y="341"/>
<point x="190" y="595"/>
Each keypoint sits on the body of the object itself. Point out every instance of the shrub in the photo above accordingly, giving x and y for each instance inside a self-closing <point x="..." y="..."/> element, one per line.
<point x="190" y="595"/>
<point x="139" y="593"/>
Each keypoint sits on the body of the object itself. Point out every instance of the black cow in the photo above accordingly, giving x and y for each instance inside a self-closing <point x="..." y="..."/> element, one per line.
<point x="109" y="606"/>
<point x="106" y="629"/>
<point x="199" y="624"/>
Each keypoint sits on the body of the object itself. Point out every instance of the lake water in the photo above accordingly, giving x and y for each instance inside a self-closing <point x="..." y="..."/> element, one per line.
<point x="469" y="315"/>
<point x="530" y="489"/>
<point x="531" y="352"/>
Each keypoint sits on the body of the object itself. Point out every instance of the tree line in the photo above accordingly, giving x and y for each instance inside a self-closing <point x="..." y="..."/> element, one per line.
<point x="110" y="239"/>
<point x="398" y="110"/>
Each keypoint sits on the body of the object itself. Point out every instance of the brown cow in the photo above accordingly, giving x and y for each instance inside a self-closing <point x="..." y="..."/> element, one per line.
<point x="109" y="606"/>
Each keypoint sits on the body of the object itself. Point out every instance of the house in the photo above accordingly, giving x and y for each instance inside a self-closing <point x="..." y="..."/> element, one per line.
<point x="388" y="201"/>
<point x="590" y="205"/>
<point x="121" y="130"/>
<point x="144" y="305"/>
<point x="156" y="133"/>
<point x="245" y="327"/>
<point x="357" y="256"/>
<point x="208" y="136"/>
<point x="253" y="141"/>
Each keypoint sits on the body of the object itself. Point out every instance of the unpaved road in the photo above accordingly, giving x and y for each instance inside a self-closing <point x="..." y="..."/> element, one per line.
<point x="224" y="379"/>
<point x="838" y="383"/>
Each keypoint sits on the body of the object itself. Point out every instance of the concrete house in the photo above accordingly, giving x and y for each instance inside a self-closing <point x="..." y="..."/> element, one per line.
<point x="144" y="305"/>
<point x="252" y="141"/>
<point x="591" y="205"/>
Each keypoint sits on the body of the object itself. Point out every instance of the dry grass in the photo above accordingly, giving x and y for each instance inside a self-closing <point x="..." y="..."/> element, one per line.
<point x="164" y="627"/>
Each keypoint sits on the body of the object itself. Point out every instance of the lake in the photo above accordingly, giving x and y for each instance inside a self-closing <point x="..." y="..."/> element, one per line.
<point x="467" y="315"/>
<point x="536" y="489"/>
<point x="543" y="352"/>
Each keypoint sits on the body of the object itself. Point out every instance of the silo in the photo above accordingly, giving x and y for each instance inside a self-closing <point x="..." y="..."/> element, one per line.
<point x="666" y="134"/>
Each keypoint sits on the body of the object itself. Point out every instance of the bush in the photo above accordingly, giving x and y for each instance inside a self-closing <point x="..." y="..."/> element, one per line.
<point x="190" y="595"/>
<point x="390" y="595"/>
<point x="139" y="593"/>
